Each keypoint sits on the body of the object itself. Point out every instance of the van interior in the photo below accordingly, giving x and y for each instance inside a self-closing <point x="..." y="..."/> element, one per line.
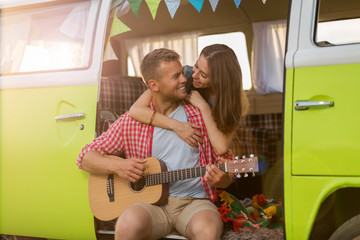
<point x="260" y="132"/>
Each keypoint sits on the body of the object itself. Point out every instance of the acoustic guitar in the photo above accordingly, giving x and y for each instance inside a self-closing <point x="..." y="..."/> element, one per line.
<point x="110" y="195"/>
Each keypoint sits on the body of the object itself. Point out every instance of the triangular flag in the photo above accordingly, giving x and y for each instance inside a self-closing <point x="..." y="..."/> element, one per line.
<point x="197" y="4"/>
<point x="122" y="9"/>
<point x="117" y="27"/>
<point x="109" y="54"/>
<point x="172" y="6"/>
<point x="153" y="6"/>
<point x="237" y="3"/>
<point x="214" y="4"/>
<point x="115" y="3"/>
<point x="264" y="1"/>
<point x="135" y="5"/>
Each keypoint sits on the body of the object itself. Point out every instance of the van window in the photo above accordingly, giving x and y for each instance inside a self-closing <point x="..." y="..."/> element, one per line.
<point x="43" y="38"/>
<point x="235" y="40"/>
<point x="183" y="43"/>
<point x="337" y="25"/>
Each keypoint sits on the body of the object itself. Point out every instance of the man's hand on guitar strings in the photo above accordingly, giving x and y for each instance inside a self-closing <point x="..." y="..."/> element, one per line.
<point x="131" y="169"/>
<point x="217" y="178"/>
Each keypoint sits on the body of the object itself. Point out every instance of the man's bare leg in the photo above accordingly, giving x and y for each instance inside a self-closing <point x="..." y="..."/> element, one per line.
<point x="133" y="224"/>
<point x="205" y="225"/>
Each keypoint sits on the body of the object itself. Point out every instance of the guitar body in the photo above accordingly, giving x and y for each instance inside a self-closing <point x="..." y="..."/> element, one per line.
<point x="110" y="195"/>
<point x="107" y="206"/>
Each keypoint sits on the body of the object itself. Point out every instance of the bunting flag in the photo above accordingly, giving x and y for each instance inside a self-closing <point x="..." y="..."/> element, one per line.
<point x="153" y="6"/>
<point x="135" y="5"/>
<point x="264" y="1"/>
<point x="214" y="4"/>
<point x="197" y="4"/>
<point x="116" y="3"/>
<point x="123" y="8"/>
<point x="172" y="6"/>
<point x="117" y="27"/>
<point x="237" y="3"/>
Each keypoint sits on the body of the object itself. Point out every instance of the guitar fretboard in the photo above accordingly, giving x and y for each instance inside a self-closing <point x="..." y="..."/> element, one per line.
<point x="176" y="175"/>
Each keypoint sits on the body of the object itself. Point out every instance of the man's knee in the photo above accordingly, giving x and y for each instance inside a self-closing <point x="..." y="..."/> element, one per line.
<point x="205" y="225"/>
<point x="134" y="223"/>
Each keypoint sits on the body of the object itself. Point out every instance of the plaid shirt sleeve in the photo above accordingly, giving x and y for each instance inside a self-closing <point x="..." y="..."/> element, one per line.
<point x="126" y="136"/>
<point x="208" y="154"/>
<point x="109" y="143"/>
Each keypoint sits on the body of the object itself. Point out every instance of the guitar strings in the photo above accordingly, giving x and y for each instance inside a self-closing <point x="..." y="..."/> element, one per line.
<point x="172" y="176"/>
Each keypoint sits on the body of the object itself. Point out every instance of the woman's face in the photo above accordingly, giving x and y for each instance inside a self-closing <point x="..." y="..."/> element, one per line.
<point x="200" y="74"/>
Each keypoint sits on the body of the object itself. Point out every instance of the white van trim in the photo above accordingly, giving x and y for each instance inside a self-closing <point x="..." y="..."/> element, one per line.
<point x="19" y="3"/>
<point x="303" y="52"/>
<point x="70" y="77"/>
<point x="49" y="79"/>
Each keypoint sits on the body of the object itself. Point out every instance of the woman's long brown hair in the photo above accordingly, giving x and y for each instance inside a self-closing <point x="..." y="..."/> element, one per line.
<point x="230" y="99"/>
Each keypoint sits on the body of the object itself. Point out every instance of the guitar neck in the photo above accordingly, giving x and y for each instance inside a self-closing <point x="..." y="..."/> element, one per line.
<point x="176" y="175"/>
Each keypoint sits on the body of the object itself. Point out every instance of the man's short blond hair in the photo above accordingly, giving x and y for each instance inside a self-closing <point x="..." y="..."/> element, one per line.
<point x="151" y="62"/>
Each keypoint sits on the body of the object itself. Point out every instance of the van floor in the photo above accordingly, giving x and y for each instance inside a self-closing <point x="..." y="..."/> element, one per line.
<point x="258" y="234"/>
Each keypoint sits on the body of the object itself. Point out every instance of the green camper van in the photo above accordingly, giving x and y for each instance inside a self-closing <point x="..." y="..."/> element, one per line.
<point x="68" y="68"/>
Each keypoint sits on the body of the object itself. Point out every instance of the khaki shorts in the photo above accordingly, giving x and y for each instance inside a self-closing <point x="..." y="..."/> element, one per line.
<point x="175" y="214"/>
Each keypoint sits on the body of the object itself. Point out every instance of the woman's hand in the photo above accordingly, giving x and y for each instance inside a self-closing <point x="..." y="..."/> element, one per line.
<point x="197" y="100"/>
<point x="189" y="132"/>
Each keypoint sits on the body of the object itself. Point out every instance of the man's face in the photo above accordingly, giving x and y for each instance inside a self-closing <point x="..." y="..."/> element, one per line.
<point x="172" y="80"/>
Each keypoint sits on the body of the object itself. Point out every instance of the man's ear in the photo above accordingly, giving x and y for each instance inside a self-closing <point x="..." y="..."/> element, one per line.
<point x="153" y="85"/>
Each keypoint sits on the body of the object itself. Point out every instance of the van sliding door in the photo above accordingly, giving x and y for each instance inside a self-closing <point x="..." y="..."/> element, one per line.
<point x="50" y="65"/>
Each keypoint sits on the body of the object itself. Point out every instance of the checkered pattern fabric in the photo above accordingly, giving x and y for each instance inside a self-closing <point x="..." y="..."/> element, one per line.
<point x="118" y="93"/>
<point x="259" y="135"/>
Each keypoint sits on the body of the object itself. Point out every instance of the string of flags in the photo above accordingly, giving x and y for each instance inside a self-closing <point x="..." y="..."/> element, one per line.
<point x="121" y="7"/>
<point x="173" y="5"/>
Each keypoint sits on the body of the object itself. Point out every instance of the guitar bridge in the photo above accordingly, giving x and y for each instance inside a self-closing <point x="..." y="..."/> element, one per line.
<point x="110" y="187"/>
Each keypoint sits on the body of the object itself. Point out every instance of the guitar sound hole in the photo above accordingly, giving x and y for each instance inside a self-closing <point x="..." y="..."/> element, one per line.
<point x="139" y="185"/>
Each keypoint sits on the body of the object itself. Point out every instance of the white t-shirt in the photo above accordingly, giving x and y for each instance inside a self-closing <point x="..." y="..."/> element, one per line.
<point x="177" y="154"/>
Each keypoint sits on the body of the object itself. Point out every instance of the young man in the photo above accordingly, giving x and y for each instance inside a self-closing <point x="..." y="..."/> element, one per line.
<point x="189" y="209"/>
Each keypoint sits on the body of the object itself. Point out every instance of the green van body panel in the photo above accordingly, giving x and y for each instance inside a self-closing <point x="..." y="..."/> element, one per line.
<point x="288" y="106"/>
<point x="28" y="120"/>
<point x="321" y="145"/>
<point x="308" y="193"/>
<point x="333" y="148"/>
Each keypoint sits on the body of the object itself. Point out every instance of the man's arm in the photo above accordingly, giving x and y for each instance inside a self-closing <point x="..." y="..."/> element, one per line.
<point x="132" y="169"/>
<point x="217" y="178"/>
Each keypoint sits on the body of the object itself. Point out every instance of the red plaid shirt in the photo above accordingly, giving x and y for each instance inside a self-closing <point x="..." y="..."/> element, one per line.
<point x="134" y="139"/>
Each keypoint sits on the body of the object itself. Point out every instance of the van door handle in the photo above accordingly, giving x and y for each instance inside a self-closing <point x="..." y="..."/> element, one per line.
<point x="304" y="105"/>
<point x="70" y="116"/>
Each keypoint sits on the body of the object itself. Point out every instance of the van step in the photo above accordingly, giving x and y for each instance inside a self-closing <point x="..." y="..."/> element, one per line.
<point x="173" y="235"/>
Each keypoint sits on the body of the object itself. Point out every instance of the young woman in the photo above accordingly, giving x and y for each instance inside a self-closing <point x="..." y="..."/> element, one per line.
<point x="215" y="88"/>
